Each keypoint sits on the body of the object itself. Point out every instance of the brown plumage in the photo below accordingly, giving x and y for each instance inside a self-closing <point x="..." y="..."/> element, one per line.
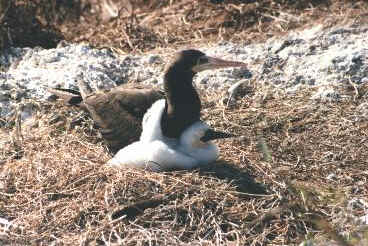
<point x="118" y="111"/>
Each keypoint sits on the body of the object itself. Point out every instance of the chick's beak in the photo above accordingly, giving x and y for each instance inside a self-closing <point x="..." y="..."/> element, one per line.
<point x="211" y="134"/>
<point x="216" y="63"/>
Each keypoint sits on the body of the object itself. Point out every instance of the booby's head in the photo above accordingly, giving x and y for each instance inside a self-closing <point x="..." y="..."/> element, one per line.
<point x="199" y="135"/>
<point x="195" y="61"/>
<point x="178" y="79"/>
<point x="191" y="137"/>
<point x="195" y="142"/>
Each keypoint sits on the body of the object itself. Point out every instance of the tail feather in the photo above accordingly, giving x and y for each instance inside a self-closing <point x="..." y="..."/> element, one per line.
<point x="68" y="96"/>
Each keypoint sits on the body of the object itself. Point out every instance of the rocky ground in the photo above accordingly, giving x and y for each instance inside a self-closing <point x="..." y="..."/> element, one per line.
<point x="302" y="102"/>
<point x="330" y="59"/>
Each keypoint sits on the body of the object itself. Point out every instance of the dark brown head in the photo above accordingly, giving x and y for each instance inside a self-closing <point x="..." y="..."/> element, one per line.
<point x="185" y="61"/>
<point x="194" y="61"/>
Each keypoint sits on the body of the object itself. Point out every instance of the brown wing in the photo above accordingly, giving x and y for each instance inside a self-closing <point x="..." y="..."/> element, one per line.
<point x="119" y="113"/>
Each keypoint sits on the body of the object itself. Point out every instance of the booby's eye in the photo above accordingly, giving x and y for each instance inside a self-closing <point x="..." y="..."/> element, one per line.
<point x="202" y="60"/>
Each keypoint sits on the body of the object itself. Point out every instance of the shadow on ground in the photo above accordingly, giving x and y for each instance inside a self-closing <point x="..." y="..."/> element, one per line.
<point x="231" y="173"/>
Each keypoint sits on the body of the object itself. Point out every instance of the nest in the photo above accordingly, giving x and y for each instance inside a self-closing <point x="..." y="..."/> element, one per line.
<point x="295" y="171"/>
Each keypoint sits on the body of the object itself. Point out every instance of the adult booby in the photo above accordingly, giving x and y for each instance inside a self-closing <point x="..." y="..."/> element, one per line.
<point x="183" y="105"/>
<point x="119" y="111"/>
<point x="173" y="135"/>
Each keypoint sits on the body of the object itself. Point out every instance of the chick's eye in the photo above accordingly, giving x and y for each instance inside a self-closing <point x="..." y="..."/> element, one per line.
<point x="202" y="60"/>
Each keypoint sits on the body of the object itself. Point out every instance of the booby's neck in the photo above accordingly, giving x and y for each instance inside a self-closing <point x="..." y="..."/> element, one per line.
<point x="183" y="105"/>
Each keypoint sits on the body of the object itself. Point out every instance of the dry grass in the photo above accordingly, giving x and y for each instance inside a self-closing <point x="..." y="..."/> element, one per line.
<point x="300" y="171"/>
<point x="292" y="176"/>
<point x="148" y="25"/>
<point x="139" y="25"/>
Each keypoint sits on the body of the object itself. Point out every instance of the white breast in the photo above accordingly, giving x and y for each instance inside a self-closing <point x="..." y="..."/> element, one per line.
<point x="158" y="153"/>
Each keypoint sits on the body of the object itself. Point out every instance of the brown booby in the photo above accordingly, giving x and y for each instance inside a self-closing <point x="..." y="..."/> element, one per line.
<point x="119" y="111"/>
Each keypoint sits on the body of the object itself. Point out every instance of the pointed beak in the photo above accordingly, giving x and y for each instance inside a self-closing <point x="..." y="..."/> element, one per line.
<point x="216" y="63"/>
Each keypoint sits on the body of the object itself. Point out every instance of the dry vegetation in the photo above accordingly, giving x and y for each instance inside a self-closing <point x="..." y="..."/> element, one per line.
<point x="141" y="25"/>
<point x="292" y="176"/>
<point x="300" y="171"/>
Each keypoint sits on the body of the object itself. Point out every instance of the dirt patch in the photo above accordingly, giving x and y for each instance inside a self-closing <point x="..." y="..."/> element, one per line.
<point x="29" y="23"/>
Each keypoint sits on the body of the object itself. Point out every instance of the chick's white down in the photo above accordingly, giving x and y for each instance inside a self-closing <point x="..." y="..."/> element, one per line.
<point x="156" y="152"/>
